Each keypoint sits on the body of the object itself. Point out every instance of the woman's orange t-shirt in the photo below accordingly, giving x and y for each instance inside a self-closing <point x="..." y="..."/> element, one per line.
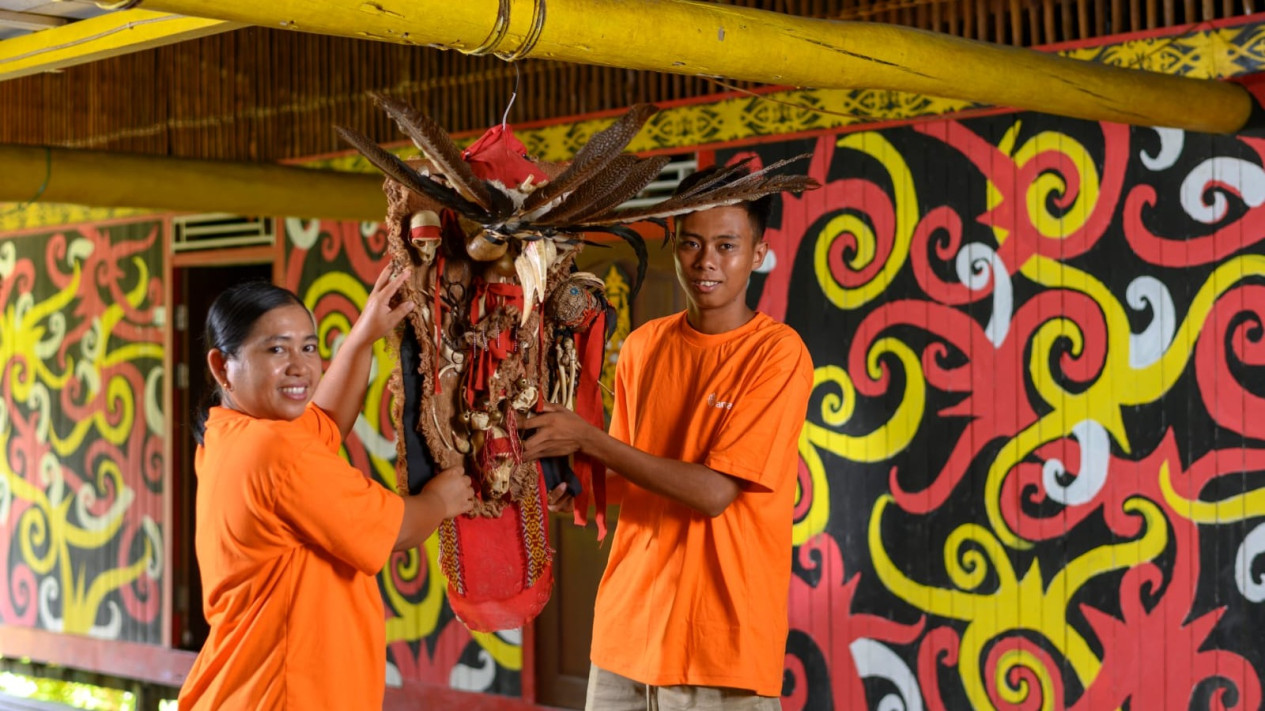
<point x="689" y="599"/>
<point x="290" y="538"/>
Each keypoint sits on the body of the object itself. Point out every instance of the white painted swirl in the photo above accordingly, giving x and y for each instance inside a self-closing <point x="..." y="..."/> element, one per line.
<point x="154" y="418"/>
<point x="1252" y="587"/>
<point x="86" y="497"/>
<point x="79" y="250"/>
<point x="977" y="265"/>
<point x="8" y="259"/>
<point x="468" y="678"/>
<point x="1095" y="455"/>
<point x="154" y="568"/>
<point x="1150" y="345"/>
<point x="1171" y="140"/>
<point x="874" y="659"/>
<point x="53" y="477"/>
<point x="113" y="629"/>
<point x="49" y="591"/>
<point x="6" y="496"/>
<point x="303" y="233"/>
<point x="1243" y="178"/>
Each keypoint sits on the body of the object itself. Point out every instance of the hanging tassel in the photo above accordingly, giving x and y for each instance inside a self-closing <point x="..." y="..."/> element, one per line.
<point x="591" y="472"/>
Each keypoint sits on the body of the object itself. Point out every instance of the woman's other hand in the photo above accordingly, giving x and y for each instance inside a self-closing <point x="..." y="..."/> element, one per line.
<point x="452" y="491"/>
<point x="448" y="494"/>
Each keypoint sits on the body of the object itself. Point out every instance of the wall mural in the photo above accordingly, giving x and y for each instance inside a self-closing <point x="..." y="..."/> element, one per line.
<point x="1033" y="470"/>
<point x="82" y="431"/>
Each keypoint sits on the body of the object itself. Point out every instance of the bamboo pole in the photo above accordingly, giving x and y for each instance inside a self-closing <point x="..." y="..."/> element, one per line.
<point x="746" y="44"/>
<point x="59" y="175"/>
<point x="99" y="38"/>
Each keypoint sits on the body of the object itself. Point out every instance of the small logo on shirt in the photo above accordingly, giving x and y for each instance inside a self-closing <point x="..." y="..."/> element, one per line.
<point x="719" y="404"/>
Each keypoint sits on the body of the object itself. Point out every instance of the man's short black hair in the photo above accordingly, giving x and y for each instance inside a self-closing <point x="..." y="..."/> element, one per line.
<point x="757" y="210"/>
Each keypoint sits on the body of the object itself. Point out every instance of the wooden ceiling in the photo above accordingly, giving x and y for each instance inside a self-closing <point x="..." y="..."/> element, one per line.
<point x="268" y="95"/>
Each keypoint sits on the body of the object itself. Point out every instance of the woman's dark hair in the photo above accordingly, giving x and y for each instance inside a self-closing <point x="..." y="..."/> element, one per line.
<point x="757" y="210"/>
<point x="231" y="317"/>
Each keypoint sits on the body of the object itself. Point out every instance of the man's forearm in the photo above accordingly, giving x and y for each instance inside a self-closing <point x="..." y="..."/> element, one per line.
<point x="703" y="489"/>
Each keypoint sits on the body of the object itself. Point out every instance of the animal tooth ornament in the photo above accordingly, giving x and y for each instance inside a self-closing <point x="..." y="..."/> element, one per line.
<point x="504" y="322"/>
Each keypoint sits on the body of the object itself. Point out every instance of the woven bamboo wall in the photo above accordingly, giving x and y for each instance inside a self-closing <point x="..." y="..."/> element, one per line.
<point x="270" y="95"/>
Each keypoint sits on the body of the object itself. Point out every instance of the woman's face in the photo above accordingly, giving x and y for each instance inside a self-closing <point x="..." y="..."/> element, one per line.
<point x="274" y="374"/>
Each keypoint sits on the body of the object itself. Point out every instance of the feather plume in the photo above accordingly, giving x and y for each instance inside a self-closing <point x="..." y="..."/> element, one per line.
<point x="720" y="176"/>
<point x="757" y="175"/>
<point x="719" y="197"/>
<point x="628" y="182"/>
<point x="444" y="154"/>
<point x="600" y="150"/>
<point x="589" y="191"/>
<point x="402" y="173"/>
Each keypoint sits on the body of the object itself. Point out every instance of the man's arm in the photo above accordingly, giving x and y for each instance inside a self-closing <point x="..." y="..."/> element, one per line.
<point x="341" y="392"/>
<point x="558" y="432"/>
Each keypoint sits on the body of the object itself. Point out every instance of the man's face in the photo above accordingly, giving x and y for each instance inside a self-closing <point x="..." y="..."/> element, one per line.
<point x="716" y="251"/>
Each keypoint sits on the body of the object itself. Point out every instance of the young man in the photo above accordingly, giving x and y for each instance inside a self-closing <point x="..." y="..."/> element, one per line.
<point x="709" y="403"/>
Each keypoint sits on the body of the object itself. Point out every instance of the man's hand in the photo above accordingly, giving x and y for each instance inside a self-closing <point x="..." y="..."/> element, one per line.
<point x="561" y="500"/>
<point x="556" y="432"/>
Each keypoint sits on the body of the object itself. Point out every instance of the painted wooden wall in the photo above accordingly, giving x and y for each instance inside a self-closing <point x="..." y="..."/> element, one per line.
<point x="1032" y="472"/>
<point x="82" y="431"/>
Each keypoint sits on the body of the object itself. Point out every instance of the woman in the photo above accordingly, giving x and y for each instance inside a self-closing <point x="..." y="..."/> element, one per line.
<point x="289" y="535"/>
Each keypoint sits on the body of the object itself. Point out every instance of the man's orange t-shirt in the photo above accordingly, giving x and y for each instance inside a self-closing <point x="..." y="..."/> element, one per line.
<point x="689" y="599"/>
<point x="290" y="537"/>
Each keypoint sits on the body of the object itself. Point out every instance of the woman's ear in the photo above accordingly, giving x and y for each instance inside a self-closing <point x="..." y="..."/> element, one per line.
<point x="218" y="363"/>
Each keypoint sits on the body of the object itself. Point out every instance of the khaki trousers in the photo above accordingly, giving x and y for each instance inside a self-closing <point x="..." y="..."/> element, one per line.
<point x="608" y="691"/>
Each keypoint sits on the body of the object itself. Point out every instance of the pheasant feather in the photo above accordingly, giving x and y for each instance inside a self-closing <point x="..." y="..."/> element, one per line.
<point x="597" y="154"/>
<point x="444" y="154"/>
<point x="402" y="173"/>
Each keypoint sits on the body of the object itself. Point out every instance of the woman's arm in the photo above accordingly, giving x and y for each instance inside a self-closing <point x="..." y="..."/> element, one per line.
<point x="558" y="432"/>
<point x="341" y="392"/>
<point x="449" y="494"/>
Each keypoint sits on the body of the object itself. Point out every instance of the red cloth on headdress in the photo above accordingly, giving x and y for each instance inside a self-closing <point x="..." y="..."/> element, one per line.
<point x="499" y="156"/>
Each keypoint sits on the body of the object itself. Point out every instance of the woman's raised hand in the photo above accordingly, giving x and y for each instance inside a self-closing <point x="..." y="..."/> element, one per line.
<point x="379" y="317"/>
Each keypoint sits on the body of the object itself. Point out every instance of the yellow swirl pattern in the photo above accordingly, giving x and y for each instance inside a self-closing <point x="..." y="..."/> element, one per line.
<point x="1016" y="604"/>
<point x="905" y="203"/>
<point x="1051" y="183"/>
<point x="836" y="411"/>
<point x="1119" y="386"/>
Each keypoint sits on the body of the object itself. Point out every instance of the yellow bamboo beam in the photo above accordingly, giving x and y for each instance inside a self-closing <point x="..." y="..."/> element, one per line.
<point x="100" y="37"/>
<point x="104" y="179"/>
<point x="697" y="38"/>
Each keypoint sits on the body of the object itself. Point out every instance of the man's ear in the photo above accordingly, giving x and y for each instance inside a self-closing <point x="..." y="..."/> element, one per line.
<point x="761" y="251"/>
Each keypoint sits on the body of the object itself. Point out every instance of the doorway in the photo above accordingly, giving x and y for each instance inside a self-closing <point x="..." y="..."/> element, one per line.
<point x="193" y="290"/>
